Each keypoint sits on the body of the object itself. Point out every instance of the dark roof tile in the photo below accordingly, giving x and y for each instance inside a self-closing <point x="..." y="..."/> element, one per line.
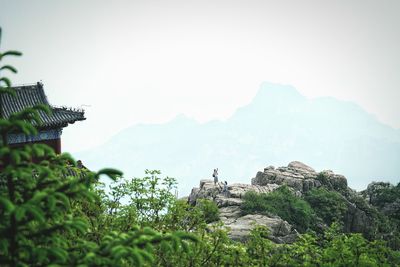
<point x="31" y="95"/>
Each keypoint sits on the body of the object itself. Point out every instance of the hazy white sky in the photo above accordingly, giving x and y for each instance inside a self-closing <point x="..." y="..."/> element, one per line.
<point x="129" y="62"/>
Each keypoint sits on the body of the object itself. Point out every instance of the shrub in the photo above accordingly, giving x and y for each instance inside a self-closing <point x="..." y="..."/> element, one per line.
<point x="283" y="203"/>
<point x="209" y="209"/>
<point x="329" y="205"/>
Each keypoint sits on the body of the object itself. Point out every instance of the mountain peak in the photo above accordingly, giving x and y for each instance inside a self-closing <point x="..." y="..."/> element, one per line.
<point x="272" y="95"/>
<point x="275" y="90"/>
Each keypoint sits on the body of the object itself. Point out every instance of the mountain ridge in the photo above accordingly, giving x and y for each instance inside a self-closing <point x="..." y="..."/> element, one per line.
<point x="278" y="126"/>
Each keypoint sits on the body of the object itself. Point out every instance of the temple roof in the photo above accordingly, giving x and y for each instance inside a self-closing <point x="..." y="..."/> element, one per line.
<point x="31" y="95"/>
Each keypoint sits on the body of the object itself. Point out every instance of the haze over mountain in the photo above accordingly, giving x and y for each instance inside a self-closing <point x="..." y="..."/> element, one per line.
<point x="277" y="127"/>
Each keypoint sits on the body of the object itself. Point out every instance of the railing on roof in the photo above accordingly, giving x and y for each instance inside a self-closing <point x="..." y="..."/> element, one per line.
<point x="81" y="110"/>
<point x="24" y="85"/>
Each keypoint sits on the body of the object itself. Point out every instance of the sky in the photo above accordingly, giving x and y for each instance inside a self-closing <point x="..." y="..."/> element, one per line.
<point x="129" y="62"/>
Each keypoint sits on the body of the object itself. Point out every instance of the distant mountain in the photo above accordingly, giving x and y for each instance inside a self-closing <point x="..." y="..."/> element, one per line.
<point x="278" y="126"/>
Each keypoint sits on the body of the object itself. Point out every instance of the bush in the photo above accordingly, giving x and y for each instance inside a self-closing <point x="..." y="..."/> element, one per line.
<point x="329" y="205"/>
<point x="283" y="203"/>
<point x="209" y="209"/>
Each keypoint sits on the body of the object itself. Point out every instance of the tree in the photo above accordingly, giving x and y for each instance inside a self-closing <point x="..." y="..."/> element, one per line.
<point x="38" y="224"/>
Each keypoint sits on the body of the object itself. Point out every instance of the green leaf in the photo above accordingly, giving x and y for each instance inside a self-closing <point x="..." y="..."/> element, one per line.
<point x="138" y="259"/>
<point x="6" y="81"/>
<point x="38" y="151"/>
<point x="146" y="256"/>
<point x="25" y="127"/>
<point x="80" y="226"/>
<point x="8" y="67"/>
<point x="10" y="53"/>
<point x="15" y="157"/>
<point x="59" y="253"/>
<point x="19" y="213"/>
<point x="38" y="196"/>
<point x="5" y="123"/>
<point x="4" y="151"/>
<point x="7" y="204"/>
<point x="7" y="91"/>
<point x="52" y="202"/>
<point x="185" y="246"/>
<point x="112" y="173"/>
<point x="36" y="213"/>
<point x="4" y="244"/>
<point x="63" y="199"/>
<point x="45" y="108"/>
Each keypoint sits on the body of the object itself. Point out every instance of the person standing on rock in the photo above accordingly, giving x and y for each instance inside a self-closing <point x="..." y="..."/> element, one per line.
<point x="225" y="189"/>
<point x="215" y="175"/>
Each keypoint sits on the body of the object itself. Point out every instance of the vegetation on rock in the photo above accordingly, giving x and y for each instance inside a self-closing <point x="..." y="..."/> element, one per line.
<point x="283" y="203"/>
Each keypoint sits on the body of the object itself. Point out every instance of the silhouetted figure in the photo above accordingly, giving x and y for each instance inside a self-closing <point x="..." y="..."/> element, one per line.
<point x="215" y="175"/>
<point x="225" y="191"/>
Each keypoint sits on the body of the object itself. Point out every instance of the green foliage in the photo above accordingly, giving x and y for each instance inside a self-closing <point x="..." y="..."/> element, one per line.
<point x="333" y="249"/>
<point x="138" y="200"/>
<point x="386" y="195"/>
<point x="283" y="203"/>
<point x="53" y="213"/>
<point x="262" y="251"/>
<point x="182" y="216"/>
<point x="330" y="184"/>
<point x="214" y="249"/>
<point x="42" y="201"/>
<point x="209" y="210"/>
<point x="328" y="205"/>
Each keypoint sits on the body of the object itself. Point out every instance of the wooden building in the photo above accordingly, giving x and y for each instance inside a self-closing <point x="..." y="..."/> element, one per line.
<point x="52" y="125"/>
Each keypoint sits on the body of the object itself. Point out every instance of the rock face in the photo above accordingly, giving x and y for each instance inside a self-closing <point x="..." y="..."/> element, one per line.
<point x="300" y="177"/>
<point x="240" y="226"/>
<point x="231" y="215"/>
<point x="211" y="191"/>
<point x="296" y="175"/>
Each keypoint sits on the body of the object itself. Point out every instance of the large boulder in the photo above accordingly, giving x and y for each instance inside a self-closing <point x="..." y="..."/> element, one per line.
<point x="231" y="214"/>
<point x="240" y="227"/>
<point x="300" y="177"/>
<point x="297" y="175"/>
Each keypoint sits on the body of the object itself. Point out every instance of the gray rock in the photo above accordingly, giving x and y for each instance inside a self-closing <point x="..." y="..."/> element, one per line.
<point x="356" y="220"/>
<point x="231" y="215"/>
<point x="333" y="181"/>
<point x="211" y="191"/>
<point x="299" y="166"/>
<point x="392" y="209"/>
<point x="300" y="177"/>
<point x="241" y="227"/>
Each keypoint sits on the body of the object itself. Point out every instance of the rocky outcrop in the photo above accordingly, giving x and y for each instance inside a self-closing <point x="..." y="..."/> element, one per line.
<point x="241" y="226"/>
<point x="385" y="197"/>
<point x="374" y="189"/>
<point x="296" y="175"/>
<point x="211" y="191"/>
<point x="300" y="178"/>
<point x="356" y="220"/>
<point x="231" y="215"/>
